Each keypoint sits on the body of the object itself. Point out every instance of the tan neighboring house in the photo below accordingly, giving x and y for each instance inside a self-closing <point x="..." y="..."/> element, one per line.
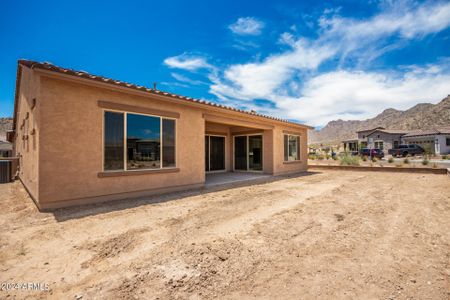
<point x="83" y="138"/>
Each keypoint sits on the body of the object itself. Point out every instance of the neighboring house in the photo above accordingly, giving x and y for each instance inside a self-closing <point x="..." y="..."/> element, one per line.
<point x="378" y="137"/>
<point x="357" y="143"/>
<point x="384" y="139"/>
<point x="83" y="138"/>
<point x="435" y="141"/>
<point x="5" y="149"/>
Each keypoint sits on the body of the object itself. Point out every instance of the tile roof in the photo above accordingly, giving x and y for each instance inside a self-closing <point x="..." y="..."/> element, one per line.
<point x="432" y="131"/>
<point x="392" y="131"/>
<point x="370" y="129"/>
<point x="83" y="74"/>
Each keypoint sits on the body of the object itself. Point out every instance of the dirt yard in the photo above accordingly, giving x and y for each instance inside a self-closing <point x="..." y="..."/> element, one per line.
<point x="330" y="234"/>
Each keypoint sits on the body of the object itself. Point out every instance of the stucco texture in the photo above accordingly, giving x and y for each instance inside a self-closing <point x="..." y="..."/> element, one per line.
<point x="63" y="164"/>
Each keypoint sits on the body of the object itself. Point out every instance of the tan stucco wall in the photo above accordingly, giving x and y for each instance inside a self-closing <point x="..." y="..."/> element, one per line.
<point x="26" y="145"/>
<point x="71" y="144"/>
<point x="280" y="167"/>
<point x="61" y="162"/>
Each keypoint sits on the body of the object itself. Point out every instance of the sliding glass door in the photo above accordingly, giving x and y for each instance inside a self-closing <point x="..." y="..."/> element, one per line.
<point x="214" y="153"/>
<point x="255" y="152"/>
<point x="248" y="153"/>
<point x="240" y="153"/>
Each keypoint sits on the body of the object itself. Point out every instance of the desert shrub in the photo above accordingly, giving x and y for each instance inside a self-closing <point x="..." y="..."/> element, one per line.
<point x="425" y="161"/>
<point x="328" y="156"/>
<point x="445" y="156"/>
<point x="349" y="160"/>
<point x="320" y="157"/>
<point x="334" y="157"/>
<point x="312" y="156"/>
<point x="434" y="166"/>
<point x="390" y="160"/>
<point x="374" y="159"/>
<point x="406" y="161"/>
<point x="364" y="158"/>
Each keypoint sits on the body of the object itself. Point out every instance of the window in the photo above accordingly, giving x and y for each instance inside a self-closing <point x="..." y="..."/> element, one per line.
<point x="113" y="142"/>
<point x="447" y="141"/>
<point x="168" y="143"/>
<point x="291" y="147"/>
<point x="136" y="141"/>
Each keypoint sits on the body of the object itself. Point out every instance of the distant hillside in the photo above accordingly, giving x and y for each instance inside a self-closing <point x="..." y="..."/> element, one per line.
<point x="420" y="116"/>
<point x="5" y="124"/>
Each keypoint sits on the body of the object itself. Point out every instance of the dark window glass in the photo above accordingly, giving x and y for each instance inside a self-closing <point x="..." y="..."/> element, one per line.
<point x="286" y="147"/>
<point x="240" y="153"/>
<point x="113" y="140"/>
<point x="143" y="142"/>
<point x="447" y="141"/>
<point x="207" y="153"/>
<point x="298" y="147"/>
<point x="217" y="153"/>
<point x="168" y="143"/>
<point x="255" y="159"/>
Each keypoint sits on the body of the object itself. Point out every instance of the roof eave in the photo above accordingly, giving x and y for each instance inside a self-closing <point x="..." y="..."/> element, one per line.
<point x="170" y="97"/>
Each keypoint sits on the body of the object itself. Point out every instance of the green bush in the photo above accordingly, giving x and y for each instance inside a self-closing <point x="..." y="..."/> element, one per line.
<point x="328" y="156"/>
<point x="425" y="162"/>
<point x="334" y="157"/>
<point x="320" y="157"/>
<point x="445" y="156"/>
<point x="390" y="160"/>
<point x="374" y="159"/>
<point x="406" y="161"/>
<point x="312" y="156"/>
<point x="364" y="158"/>
<point x="350" y="160"/>
<point x="434" y="166"/>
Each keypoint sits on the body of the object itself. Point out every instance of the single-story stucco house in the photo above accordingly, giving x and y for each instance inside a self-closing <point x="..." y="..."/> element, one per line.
<point x="83" y="138"/>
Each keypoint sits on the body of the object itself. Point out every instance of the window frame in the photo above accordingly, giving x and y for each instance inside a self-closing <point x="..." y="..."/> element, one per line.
<point x="125" y="149"/>
<point x="298" y="142"/>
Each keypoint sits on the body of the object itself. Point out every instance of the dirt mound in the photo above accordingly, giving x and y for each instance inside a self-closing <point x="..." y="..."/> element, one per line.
<point x="112" y="247"/>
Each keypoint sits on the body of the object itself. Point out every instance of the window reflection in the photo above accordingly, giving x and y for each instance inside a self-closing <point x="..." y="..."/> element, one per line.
<point x="143" y="142"/>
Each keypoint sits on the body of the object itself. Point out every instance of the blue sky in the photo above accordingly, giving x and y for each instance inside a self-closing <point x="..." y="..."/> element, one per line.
<point x="307" y="61"/>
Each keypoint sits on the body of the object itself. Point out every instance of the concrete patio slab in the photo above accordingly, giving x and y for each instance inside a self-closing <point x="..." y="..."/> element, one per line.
<point x="232" y="178"/>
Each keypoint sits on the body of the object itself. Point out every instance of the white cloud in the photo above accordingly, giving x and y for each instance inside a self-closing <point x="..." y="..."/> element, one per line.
<point x="362" y="95"/>
<point x="187" y="62"/>
<point x="290" y="79"/>
<point x="247" y="26"/>
<point x="186" y="79"/>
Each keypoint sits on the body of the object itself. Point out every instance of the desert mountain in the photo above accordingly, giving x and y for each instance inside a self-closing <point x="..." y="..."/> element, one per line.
<point x="420" y="116"/>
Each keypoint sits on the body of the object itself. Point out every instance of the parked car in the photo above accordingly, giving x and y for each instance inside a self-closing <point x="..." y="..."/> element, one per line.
<point x="374" y="152"/>
<point x="405" y="150"/>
